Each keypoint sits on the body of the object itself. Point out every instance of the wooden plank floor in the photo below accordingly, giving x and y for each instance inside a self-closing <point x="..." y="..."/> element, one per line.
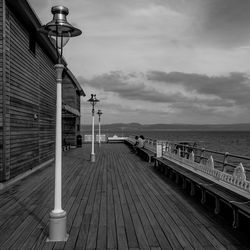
<point x="118" y="202"/>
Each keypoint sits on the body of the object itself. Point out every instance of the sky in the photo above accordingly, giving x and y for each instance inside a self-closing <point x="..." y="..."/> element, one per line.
<point x="160" y="61"/>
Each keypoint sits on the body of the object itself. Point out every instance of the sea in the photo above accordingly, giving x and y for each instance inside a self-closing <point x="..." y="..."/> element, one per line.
<point x="234" y="142"/>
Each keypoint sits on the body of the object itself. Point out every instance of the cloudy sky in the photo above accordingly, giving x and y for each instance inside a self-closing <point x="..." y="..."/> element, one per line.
<point x="160" y="61"/>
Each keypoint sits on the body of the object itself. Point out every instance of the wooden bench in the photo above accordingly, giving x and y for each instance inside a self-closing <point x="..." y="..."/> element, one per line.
<point x="174" y="170"/>
<point x="238" y="203"/>
<point x="129" y="143"/>
<point x="146" y="154"/>
<point x="242" y="207"/>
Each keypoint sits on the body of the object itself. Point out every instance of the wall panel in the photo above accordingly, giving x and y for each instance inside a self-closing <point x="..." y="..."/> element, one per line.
<point x="1" y="90"/>
<point x="32" y="102"/>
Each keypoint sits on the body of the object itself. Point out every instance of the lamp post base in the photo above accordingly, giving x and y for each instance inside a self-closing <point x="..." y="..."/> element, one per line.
<point x="92" y="157"/>
<point x="57" y="227"/>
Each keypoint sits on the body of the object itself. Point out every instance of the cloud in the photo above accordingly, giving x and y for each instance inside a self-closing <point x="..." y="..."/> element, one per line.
<point x="234" y="87"/>
<point x="39" y="4"/>
<point x="42" y="10"/>
<point x="177" y="87"/>
<point x="175" y="96"/>
<point x="224" y="23"/>
<point x="172" y="58"/>
<point x="214" y="23"/>
<point x="174" y="35"/>
<point x="131" y="87"/>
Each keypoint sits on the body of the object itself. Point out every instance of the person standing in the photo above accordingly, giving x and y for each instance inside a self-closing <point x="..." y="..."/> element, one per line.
<point x="141" y="141"/>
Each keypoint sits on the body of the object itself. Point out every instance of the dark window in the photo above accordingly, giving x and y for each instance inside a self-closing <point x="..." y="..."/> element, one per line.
<point x="78" y="127"/>
<point x="7" y="15"/>
<point x="32" y="42"/>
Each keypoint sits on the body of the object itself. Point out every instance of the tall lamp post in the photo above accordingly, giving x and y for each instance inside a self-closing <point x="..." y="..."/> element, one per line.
<point x="93" y="101"/>
<point x="99" y="114"/>
<point x="59" y="31"/>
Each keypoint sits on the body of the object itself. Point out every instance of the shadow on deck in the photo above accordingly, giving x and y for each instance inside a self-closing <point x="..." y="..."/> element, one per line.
<point x="118" y="202"/>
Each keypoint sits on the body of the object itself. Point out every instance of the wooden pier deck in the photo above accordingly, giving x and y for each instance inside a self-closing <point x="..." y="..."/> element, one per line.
<point x="118" y="202"/>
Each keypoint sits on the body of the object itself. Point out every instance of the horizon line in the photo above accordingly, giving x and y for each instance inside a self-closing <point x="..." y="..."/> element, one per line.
<point x="189" y="124"/>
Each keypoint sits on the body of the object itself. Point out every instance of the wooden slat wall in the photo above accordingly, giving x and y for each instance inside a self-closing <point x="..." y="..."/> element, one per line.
<point x="69" y="93"/>
<point x="47" y="107"/>
<point x="71" y="98"/>
<point x="1" y="89"/>
<point x="6" y="92"/>
<point x="69" y="129"/>
<point x="32" y="92"/>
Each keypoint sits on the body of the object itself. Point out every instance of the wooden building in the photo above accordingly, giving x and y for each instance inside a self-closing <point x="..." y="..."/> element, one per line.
<point x="28" y="93"/>
<point x="71" y="94"/>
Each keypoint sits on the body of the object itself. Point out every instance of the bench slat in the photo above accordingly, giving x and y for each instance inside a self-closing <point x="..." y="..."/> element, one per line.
<point x="236" y="202"/>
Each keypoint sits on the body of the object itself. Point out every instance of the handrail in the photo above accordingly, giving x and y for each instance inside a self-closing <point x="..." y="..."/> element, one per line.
<point x="201" y="155"/>
<point x="223" y="153"/>
<point x="195" y="148"/>
<point x="212" y="151"/>
<point x="208" y="163"/>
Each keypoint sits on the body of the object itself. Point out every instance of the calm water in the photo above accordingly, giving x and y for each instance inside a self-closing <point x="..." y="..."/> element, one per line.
<point x="234" y="142"/>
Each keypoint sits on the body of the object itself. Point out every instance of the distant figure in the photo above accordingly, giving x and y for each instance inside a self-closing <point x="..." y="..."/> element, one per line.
<point x="141" y="141"/>
<point x="194" y="149"/>
<point x="135" y="144"/>
<point x="136" y="140"/>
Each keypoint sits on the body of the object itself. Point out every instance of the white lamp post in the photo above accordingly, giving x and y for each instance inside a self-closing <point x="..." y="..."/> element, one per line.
<point x="93" y="101"/>
<point x="59" y="31"/>
<point x="99" y="114"/>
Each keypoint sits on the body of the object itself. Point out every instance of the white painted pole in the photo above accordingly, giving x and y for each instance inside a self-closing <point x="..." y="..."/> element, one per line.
<point x="58" y="149"/>
<point x="93" y="136"/>
<point x="57" y="221"/>
<point x="99" y="130"/>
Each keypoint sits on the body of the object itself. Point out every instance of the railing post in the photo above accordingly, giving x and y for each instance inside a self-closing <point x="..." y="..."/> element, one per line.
<point x="239" y="172"/>
<point x="184" y="152"/>
<point x="224" y="161"/>
<point x="169" y="148"/>
<point x="210" y="162"/>
<point x="158" y="149"/>
<point x="163" y="147"/>
<point x="179" y="152"/>
<point x="202" y="156"/>
<point x="191" y="156"/>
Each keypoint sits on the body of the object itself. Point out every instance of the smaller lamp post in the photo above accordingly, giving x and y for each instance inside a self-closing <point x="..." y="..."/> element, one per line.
<point x="99" y="114"/>
<point x="93" y="101"/>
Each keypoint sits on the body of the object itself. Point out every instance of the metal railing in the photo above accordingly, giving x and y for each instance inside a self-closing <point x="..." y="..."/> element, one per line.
<point x="226" y="169"/>
<point x="224" y="161"/>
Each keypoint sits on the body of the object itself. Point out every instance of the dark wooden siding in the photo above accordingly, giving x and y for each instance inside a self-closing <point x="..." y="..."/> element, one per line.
<point x="32" y="102"/>
<point x="1" y="89"/>
<point x="69" y="129"/>
<point x="28" y="95"/>
<point x="5" y="55"/>
<point x="47" y="108"/>
<point x="72" y="98"/>
<point x="69" y="92"/>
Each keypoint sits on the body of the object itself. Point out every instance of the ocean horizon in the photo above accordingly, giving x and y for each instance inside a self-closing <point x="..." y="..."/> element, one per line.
<point x="234" y="142"/>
